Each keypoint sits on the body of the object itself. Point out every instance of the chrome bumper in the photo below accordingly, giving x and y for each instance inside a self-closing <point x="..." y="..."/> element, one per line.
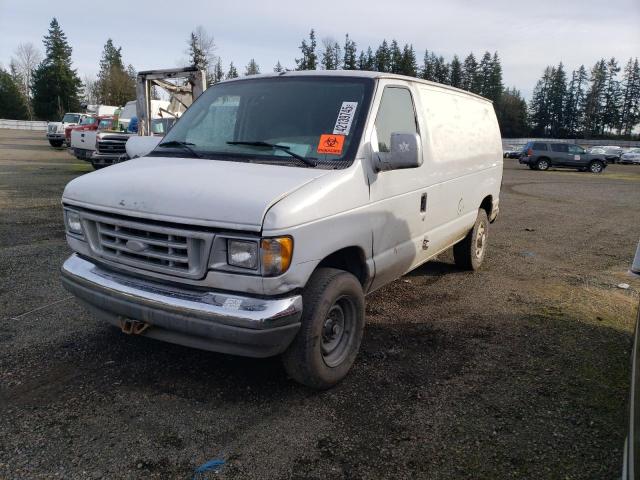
<point x="208" y="320"/>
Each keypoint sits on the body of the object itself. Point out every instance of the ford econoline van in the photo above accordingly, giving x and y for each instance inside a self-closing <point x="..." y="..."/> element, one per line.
<point x="275" y="204"/>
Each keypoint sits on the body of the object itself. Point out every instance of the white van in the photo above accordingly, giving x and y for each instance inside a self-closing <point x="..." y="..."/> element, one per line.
<point x="275" y="204"/>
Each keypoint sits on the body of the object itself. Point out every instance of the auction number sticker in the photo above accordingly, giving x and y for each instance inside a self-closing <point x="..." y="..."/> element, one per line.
<point x="345" y="118"/>
<point x="331" y="144"/>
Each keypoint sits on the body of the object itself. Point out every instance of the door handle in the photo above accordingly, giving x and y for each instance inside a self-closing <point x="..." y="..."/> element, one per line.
<point x="423" y="203"/>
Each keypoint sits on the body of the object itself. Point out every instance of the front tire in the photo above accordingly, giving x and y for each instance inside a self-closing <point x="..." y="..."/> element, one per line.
<point x="542" y="164"/>
<point x="55" y="143"/>
<point x="469" y="253"/>
<point x="596" y="166"/>
<point x="328" y="341"/>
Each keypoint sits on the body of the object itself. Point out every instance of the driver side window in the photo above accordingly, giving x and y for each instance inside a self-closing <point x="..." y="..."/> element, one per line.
<point x="396" y="114"/>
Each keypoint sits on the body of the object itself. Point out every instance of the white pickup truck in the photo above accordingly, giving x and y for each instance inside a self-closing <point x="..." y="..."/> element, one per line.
<point x="275" y="204"/>
<point x="55" y="130"/>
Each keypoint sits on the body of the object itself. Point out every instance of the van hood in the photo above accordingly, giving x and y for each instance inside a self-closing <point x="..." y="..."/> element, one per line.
<point x="214" y="193"/>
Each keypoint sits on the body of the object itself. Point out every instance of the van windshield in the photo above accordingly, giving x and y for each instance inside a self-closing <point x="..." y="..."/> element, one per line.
<point x="70" y="118"/>
<point x="275" y="120"/>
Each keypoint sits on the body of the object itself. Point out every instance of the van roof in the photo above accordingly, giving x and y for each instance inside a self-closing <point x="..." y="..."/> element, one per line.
<point x="356" y="74"/>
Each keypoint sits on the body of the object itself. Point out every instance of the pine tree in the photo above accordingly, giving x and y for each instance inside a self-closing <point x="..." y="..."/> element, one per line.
<point x="574" y="101"/>
<point x="555" y="100"/>
<point x="278" y="68"/>
<point x="408" y="65"/>
<point x="594" y="100"/>
<point x="612" y="98"/>
<point x="382" y="59"/>
<point x="12" y="101"/>
<point x="470" y="73"/>
<point x="330" y="55"/>
<point x="630" y="104"/>
<point x="197" y="58"/>
<point x="455" y="72"/>
<point x="309" y="60"/>
<point x="218" y="74"/>
<point x="539" y="106"/>
<point x="56" y="85"/>
<point x="511" y="110"/>
<point x="232" y="73"/>
<point x="115" y="85"/>
<point x="201" y="52"/>
<point x="440" y="70"/>
<point x="427" y="70"/>
<point x="349" y="61"/>
<point x="395" y="57"/>
<point x="366" y="60"/>
<point x="494" y="87"/>
<point x="252" y="68"/>
<point x="484" y="76"/>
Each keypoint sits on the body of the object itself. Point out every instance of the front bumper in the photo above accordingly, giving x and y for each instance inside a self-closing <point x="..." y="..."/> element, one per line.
<point x="107" y="158"/>
<point x="208" y="320"/>
<point x="55" y="136"/>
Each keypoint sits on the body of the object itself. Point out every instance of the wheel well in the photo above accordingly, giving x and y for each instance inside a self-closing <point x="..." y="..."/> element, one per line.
<point x="350" y="259"/>
<point x="487" y="205"/>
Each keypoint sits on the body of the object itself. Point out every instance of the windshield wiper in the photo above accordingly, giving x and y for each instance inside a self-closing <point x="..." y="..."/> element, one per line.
<point x="308" y="161"/>
<point x="185" y="146"/>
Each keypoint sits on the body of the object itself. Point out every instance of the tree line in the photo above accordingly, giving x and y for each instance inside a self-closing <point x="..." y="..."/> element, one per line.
<point x="595" y="104"/>
<point x="598" y="103"/>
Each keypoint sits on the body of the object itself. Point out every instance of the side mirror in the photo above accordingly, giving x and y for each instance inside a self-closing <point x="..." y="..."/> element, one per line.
<point x="405" y="152"/>
<point x="139" y="146"/>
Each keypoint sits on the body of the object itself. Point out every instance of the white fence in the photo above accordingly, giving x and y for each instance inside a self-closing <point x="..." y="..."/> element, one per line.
<point x="23" y="125"/>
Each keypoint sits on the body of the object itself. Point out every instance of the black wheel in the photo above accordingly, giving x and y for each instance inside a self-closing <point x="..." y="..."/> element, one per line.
<point x="470" y="251"/>
<point x="596" y="166"/>
<point x="97" y="166"/>
<point x="332" y="324"/>
<point x="542" y="164"/>
<point x="55" y="143"/>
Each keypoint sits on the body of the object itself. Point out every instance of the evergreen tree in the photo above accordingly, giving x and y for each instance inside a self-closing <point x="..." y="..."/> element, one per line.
<point x="201" y="51"/>
<point x="197" y="57"/>
<point x="539" y="106"/>
<point x="612" y="98"/>
<point x="56" y="85"/>
<point x="366" y="60"/>
<point x="349" y="61"/>
<point x="574" y="101"/>
<point x="252" y="68"/>
<point x="218" y="74"/>
<point x="494" y="86"/>
<point x="440" y="70"/>
<point x="511" y="110"/>
<point x="115" y="85"/>
<point x="232" y="73"/>
<point x="382" y="59"/>
<point x="470" y="73"/>
<point x="12" y="101"/>
<point x="395" y="57"/>
<point x="455" y="73"/>
<point x="330" y="55"/>
<point x="630" y="104"/>
<point x="309" y="60"/>
<point x="278" y="68"/>
<point x="427" y="71"/>
<point x="408" y="65"/>
<point x="594" y="100"/>
<point x="484" y="76"/>
<point x="555" y="100"/>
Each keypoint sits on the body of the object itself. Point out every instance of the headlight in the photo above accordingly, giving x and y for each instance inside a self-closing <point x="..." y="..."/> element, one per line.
<point x="243" y="254"/>
<point x="276" y="255"/>
<point x="72" y="220"/>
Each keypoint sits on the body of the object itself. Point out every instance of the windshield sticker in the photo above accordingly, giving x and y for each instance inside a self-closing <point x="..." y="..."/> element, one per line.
<point x="345" y="117"/>
<point x="331" y="144"/>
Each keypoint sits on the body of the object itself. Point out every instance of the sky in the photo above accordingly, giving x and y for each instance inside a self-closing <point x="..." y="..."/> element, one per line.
<point x="528" y="35"/>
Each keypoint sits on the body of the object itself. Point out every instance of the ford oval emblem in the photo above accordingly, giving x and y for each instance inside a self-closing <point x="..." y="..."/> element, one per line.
<point x="136" y="246"/>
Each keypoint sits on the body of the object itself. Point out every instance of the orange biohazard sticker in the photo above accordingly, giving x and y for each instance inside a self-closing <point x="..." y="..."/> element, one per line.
<point x="331" y="144"/>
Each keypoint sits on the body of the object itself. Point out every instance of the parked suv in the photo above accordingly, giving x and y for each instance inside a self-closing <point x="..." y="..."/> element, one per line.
<point x="543" y="155"/>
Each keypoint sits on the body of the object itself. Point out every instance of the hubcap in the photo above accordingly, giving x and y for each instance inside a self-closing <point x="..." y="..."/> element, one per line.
<point x="543" y="165"/>
<point x="595" y="168"/>
<point x="481" y="240"/>
<point x="338" y="331"/>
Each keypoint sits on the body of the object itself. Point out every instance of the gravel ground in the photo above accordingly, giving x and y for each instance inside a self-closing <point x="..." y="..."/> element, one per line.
<point x="517" y="371"/>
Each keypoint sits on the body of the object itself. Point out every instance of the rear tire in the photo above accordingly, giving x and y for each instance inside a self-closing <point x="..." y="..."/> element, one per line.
<point x="55" y="143"/>
<point x="532" y="167"/>
<point x="542" y="164"/>
<point x="596" y="166"/>
<point x="328" y="341"/>
<point x="469" y="253"/>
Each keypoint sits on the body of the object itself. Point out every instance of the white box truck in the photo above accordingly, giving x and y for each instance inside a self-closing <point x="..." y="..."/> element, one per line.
<point x="275" y="204"/>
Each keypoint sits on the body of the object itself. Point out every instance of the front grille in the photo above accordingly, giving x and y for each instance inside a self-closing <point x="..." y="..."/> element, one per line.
<point x="111" y="147"/>
<point x="148" y="246"/>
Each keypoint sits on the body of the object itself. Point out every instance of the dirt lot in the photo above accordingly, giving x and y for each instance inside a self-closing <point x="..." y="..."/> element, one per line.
<point x="518" y="371"/>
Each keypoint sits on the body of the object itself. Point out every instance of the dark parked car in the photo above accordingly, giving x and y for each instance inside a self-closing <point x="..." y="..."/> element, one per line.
<point x="611" y="153"/>
<point x="544" y="155"/>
